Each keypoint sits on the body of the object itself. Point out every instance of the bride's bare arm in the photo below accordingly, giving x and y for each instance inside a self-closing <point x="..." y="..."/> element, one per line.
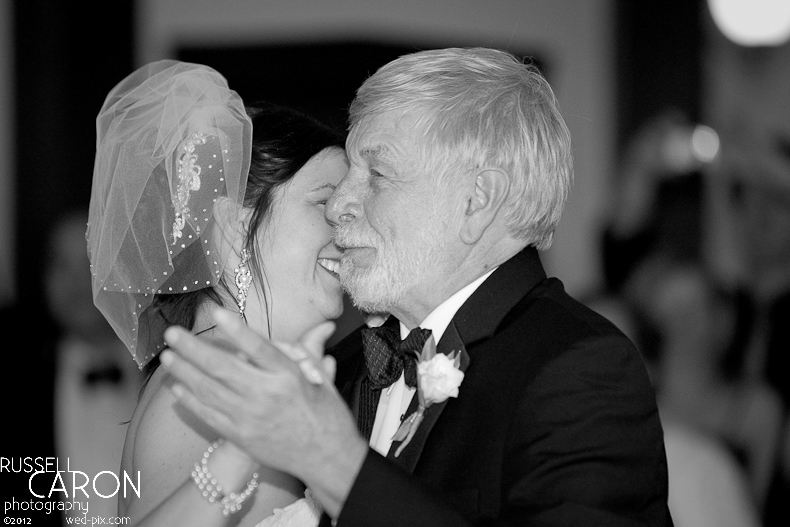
<point x="164" y="443"/>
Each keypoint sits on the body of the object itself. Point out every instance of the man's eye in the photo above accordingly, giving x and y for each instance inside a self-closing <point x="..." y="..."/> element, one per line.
<point x="375" y="173"/>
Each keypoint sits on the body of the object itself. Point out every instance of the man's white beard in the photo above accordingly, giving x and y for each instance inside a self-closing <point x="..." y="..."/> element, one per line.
<point x="398" y="268"/>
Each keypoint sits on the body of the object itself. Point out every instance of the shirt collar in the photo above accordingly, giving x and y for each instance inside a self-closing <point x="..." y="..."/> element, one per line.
<point x="438" y="319"/>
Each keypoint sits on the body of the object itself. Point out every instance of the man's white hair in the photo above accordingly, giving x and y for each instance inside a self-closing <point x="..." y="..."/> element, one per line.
<point x="482" y="108"/>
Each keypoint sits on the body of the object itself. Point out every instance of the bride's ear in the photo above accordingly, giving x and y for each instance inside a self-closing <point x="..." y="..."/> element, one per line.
<point x="231" y="222"/>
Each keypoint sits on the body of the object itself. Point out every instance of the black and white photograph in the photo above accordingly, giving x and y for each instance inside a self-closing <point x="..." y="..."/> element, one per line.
<point x="405" y="263"/>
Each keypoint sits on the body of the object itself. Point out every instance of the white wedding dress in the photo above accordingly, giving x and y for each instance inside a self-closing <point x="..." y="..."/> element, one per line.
<point x="305" y="512"/>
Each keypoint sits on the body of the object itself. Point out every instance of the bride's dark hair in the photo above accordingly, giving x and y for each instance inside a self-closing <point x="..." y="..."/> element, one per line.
<point x="283" y="141"/>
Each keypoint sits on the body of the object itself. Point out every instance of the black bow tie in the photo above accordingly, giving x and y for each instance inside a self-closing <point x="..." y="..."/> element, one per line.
<point x="386" y="356"/>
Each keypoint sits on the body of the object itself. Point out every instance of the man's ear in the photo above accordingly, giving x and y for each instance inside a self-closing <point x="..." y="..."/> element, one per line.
<point x="490" y="190"/>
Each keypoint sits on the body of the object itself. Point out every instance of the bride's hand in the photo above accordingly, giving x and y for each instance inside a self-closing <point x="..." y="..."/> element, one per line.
<point x="308" y="354"/>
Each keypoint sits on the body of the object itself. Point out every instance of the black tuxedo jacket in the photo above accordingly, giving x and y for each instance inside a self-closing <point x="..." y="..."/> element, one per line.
<point x="555" y="422"/>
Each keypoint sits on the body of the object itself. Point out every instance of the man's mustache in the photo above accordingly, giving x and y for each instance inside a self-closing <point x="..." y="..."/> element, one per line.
<point x="346" y="237"/>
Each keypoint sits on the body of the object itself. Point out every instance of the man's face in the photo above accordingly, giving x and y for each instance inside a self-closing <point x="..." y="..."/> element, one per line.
<point x="390" y="216"/>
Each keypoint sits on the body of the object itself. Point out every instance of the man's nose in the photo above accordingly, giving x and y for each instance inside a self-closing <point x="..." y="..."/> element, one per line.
<point x="343" y="205"/>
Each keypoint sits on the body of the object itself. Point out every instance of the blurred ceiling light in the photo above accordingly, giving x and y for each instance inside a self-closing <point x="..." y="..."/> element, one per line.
<point x="705" y="143"/>
<point x="753" y="22"/>
<point x="687" y="148"/>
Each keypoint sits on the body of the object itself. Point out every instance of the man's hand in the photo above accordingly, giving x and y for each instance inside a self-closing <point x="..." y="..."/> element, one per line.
<point x="275" y="401"/>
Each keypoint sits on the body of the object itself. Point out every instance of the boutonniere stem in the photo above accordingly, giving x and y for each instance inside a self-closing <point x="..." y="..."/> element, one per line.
<point x="438" y="377"/>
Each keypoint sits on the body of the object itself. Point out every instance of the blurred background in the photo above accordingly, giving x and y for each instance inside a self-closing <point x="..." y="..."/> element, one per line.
<point x="678" y="227"/>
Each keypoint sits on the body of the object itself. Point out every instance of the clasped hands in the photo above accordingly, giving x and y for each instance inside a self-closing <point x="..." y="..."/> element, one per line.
<point x="275" y="401"/>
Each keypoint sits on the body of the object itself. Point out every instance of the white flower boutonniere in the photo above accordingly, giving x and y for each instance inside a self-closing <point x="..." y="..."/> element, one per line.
<point x="438" y="377"/>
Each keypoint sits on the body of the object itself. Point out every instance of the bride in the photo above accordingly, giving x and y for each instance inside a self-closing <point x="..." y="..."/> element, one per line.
<point x="198" y="201"/>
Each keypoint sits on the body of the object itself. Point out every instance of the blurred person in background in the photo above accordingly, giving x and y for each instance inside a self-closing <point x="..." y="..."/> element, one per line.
<point x="749" y="196"/>
<point x="96" y="383"/>
<point x="656" y="200"/>
<point x="708" y="486"/>
<point x="695" y="326"/>
<point x="687" y="321"/>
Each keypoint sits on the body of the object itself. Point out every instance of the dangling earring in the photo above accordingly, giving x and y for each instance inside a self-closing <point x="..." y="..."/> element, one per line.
<point x="243" y="282"/>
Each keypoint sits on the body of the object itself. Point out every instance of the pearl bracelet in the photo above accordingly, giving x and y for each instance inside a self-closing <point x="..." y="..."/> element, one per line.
<point x="212" y="491"/>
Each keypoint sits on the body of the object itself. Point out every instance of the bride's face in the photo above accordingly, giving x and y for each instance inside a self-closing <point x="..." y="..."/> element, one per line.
<point x="298" y="256"/>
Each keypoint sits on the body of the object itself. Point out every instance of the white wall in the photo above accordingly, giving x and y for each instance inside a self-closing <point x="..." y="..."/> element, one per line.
<point x="572" y="36"/>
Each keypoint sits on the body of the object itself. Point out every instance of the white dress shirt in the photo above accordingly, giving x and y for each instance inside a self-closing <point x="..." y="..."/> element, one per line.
<point x="395" y="400"/>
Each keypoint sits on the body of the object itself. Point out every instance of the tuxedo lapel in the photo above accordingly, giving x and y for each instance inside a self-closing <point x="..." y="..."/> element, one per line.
<point x="487" y="309"/>
<point x="451" y="341"/>
<point x="351" y="368"/>
<point x="478" y="319"/>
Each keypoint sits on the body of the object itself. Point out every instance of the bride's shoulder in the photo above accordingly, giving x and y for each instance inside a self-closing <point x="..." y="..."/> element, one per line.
<point x="161" y="430"/>
<point x="162" y="442"/>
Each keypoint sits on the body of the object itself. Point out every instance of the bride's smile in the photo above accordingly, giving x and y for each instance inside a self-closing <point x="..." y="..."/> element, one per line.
<point x="298" y="255"/>
<point x="330" y="265"/>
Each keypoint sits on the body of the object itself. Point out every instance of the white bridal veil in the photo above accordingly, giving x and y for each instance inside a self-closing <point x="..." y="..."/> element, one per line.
<point x="171" y="140"/>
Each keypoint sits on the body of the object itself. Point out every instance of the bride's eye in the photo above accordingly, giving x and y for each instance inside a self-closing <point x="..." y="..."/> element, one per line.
<point x="321" y="201"/>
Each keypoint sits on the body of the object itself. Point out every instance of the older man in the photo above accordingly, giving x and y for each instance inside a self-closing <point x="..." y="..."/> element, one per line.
<point x="535" y="410"/>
